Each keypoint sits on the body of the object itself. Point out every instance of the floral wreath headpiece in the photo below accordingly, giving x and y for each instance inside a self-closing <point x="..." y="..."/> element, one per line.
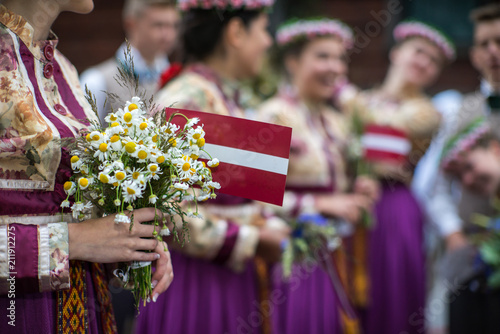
<point x="297" y="29"/>
<point x="186" y="5"/>
<point x="413" y="28"/>
<point x="464" y="140"/>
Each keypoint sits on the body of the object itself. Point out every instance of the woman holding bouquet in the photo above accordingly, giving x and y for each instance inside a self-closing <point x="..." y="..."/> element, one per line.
<point x="402" y="116"/>
<point x="224" y="43"/>
<point x="51" y="276"/>
<point x="314" y="54"/>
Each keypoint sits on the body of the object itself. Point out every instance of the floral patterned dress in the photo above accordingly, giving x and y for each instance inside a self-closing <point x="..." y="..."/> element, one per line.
<point x="41" y="102"/>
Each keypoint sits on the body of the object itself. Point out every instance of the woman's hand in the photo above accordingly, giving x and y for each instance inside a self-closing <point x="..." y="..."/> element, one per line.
<point x="102" y="240"/>
<point x="347" y="206"/>
<point x="365" y="185"/>
<point x="270" y="240"/>
<point x="164" y="274"/>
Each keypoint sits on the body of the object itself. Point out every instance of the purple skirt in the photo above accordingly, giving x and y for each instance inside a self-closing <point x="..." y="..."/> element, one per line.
<point x="396" y="265"/>
<point x="204" y="298"/>
<point x="305" y="303"/>
<point x="36" y="312"/>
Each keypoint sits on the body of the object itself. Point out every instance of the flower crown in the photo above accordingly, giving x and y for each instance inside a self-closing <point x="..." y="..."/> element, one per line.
<point x="464" y="140"/>
<point x="297" y="29"/>
<point x="416" y="28"/>
<point x="186" y="5"/>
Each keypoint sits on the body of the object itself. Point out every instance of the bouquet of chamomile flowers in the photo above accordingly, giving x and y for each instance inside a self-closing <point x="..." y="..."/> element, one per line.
<point x="138" y="161"/>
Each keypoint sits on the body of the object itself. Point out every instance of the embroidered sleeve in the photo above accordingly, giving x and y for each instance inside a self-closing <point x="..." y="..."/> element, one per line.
<point x="33" y="258"/>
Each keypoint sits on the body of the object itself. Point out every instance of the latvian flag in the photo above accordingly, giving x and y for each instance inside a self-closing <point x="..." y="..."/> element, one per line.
<point x="253" y="155"/>
<point x="385" y="143"/>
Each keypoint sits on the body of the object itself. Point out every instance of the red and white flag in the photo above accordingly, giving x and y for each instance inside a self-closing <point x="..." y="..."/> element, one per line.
<point x="253" y="155"/>
<point x="385" y="143"/>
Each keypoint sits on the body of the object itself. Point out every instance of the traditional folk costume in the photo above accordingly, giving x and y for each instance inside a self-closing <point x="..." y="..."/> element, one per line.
<point x="41" y="102"/>
<point x="398" y="133"/>
<point x="310" y="303"/>
<point x="218" y="286"/>
<point x="316" y="167"/>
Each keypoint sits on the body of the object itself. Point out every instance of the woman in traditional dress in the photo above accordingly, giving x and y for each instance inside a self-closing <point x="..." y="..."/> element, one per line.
<point x="224" y="42"/>
<point x="400" y="122"/>
<point x="51" y="279"/>
<point x="314" y="55"/>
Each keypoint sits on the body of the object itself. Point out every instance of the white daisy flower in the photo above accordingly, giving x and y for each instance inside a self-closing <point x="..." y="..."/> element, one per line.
<point x="65" y="204"/>
<point x="111" y="117"/>
<point x="70" y="188"/>
<point x="76" y="162"/>
<point x="84" y="182"/>
<point x="203" y="197"/>
<point x="213" y="163"/>
<point x="131" y="191"/>
<point x="212" y="185"/>
<point x="181" y="186"/>
<point x="164" y="232"/>
<point x="114" y="129"/>
<point x="169" y="128"/>
<point x="191" y="122"/>
<point x="194" y="215"/>
<point x="153" y="199"/>
<point x="102" y="151"/>
<point x="115" y="142"/>
<point x="122" y="218"/>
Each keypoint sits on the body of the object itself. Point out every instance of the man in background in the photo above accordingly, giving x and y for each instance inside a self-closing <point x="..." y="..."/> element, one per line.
<point x="151" y="27"/>
<point x="473" y="308"/>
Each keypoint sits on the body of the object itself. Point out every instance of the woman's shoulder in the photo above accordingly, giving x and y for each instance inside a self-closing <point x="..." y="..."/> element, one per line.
<point x="190" y="91"/>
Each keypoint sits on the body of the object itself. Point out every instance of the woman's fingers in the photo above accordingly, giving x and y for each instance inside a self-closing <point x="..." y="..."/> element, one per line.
<point x="164" y="274"/>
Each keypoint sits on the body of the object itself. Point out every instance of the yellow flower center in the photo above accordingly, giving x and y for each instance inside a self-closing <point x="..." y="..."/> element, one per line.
<point x="114" y="138"/>
<point x="68" y="185"/>
<point x="155" y="138"/>
<point x="192" y="171"/>
<point x="141" y="142"/>
<point x="103" y="147"/>
<point x="83" y="182"/>
<point x="153" y="168"/>
<point x="103" y="178"/>
<point x="115" y="184"/>
<point x="74" y="159"/>
<point x="143" y="126"/>
<point x="172" y="142"/>
<point x="193" y="156"/>
<point x="196" y="136"/>
<point x="113" y="118"/>
<point x="114" y="124"/>
<point x="120" y="176"/>
<point x="130" y="191"/>
<point x="132" y="106"/>
<point x="136" y="175"/>
<point x="160" y="159"/>
<point x="201" y="142"/>
<point x="130" y="147"/>
<point x="95" y="137"/>
<point x="186" y="166"/>
<point x="127" y="117"/>
<point x="142" y="154"/>
<point x="88" y="137"/>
